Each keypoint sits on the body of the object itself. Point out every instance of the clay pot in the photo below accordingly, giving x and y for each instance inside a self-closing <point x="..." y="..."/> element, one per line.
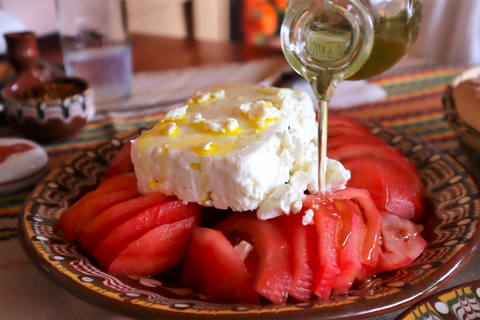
<point x="32" y="101"/>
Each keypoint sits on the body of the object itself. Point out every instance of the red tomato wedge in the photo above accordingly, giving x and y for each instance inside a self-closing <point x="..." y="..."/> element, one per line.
<point x="391" y="188"/>
<point x="303" y="241"/>
<point x="101" y="225"/>
<point x="401" y="242"/>
<point x="68" y="220"/>
<point x="101" y="203"/>
<point x="334" y="119"/>
<point x="340" y="140"/>
<point x="327" y="269"/>
<point x="214" y="268"/>
<point x="386" y="152"/>
<point x="158" y="250"/>
<point x="121" y="163"/>
<point x="348" y="239"/>
<point x="109" y="248"/>
<point x="269" y="262"/>
<point x="118" y="182"/>
<point x="370" y="243"/>
<point x="348" y="130"/>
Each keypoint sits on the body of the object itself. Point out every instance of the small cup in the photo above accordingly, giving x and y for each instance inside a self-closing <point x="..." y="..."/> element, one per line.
<point x="95" y="46"/>
<point x="50" y="112"/>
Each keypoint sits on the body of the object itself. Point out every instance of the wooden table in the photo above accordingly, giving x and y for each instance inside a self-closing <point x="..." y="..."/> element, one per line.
<point x="154" y="53"/>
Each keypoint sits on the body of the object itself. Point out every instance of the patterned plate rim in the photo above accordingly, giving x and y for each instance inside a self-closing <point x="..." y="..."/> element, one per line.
<point x="426" y="309"/>
<point x="135" y="297"/>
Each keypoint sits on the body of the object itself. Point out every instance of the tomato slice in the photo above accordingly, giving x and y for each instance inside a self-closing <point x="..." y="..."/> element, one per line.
<point x="340" y="140"/>
<point x="158" y="250"/>
<point x="118" y="182"/>
<point x="348" y="130"/>
<point x="327" y="269"/>
<point x="107" y="250"/>
<point x="214" y="268"/>
<point x="269" y="262"/>
<point x="69" y="218"/>
<point x="303" y="240"/>
<point x="101" y="225"/>
<point x="101" y="203"/>
<point x="369" y="246"/>
<point x="334" y="119"/>
<point x="402" y="242"/>
<point x="121" y="163"/>
<point x="348" y="239"/>
<point x="385" y="152"/>
<point x="391" y="188"/>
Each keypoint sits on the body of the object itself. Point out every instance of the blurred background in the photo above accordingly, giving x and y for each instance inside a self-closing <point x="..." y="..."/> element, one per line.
<point x="450" y="31"/>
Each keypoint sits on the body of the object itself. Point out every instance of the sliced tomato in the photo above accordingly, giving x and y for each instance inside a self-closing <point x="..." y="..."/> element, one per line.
<point x="102" y="202"/>
<point x="214" y="268"/>
<point x="340" y="140"/>
<point x="157" y="251"/>
<point x="370" y="241"/>
<point x="334" y="119"/>
<point x="107" y="250"/>
<point x="386" y="152"/>
<point x="101" y="225"/>
<point x="342" y="129"/>
<point x="303" y="240"/>
<point x="348" y="239"/>
<point x="391" y="188"/>
<point x="121" y="163"/>
<point x="69" y="219"/>
<point x="269" y="262"/>
<point x="401" y="240"/>
<point x="325" y="217"/>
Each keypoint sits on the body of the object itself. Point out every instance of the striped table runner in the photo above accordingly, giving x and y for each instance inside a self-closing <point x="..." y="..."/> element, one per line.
<point x="413" y="105"/>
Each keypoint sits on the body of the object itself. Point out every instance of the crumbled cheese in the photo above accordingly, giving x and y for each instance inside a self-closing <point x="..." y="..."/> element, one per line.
<point x="244" y="248"/>
<point x="176" y="114"/>
<point x="307" y="217"/>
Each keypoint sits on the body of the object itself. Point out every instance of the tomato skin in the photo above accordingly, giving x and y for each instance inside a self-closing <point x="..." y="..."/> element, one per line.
<point x="214" y="268"/>
<point x="334" y="119"/>
<point x="272" y="269"/>
<point x="412" y="193"/>
<point x="158" y="250"/>
<point x="347" y="130"/>
<point x="101" y="225"/>
<point x="303" y="241"/>
<point x="337" y="141"/>
<point x="68" y="221"/>
<point x="121" y="163"/>
<point x="391" y="189"/>
<point x="402" y="242"/>
<point x="107" y="250"/>
<point x="369" y="247"/>
<point x="349" y="236"/>
<point x="327" y="269"/>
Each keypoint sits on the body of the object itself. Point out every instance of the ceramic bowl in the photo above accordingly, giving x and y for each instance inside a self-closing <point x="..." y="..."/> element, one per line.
<point x="54" y="111"/>
<point x="469" y="137"/>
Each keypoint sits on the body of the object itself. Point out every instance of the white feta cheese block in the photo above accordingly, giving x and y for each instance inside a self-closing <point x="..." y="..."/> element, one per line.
<point x="230" y="147"/>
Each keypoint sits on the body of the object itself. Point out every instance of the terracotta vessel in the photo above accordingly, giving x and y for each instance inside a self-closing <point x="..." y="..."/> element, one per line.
<point x="22" y="54"/>
<point x="45" y="117"/>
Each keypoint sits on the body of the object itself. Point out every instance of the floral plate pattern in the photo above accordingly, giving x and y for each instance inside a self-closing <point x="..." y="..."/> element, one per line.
<point x="452" y="232"/>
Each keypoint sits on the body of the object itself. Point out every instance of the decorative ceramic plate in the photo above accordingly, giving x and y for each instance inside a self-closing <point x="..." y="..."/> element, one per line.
<point x="460" y="302"/>
<point x="452" y="232"/>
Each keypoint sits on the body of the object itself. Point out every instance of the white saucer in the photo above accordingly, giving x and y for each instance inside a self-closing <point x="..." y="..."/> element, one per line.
<point x="22" y="164"/>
